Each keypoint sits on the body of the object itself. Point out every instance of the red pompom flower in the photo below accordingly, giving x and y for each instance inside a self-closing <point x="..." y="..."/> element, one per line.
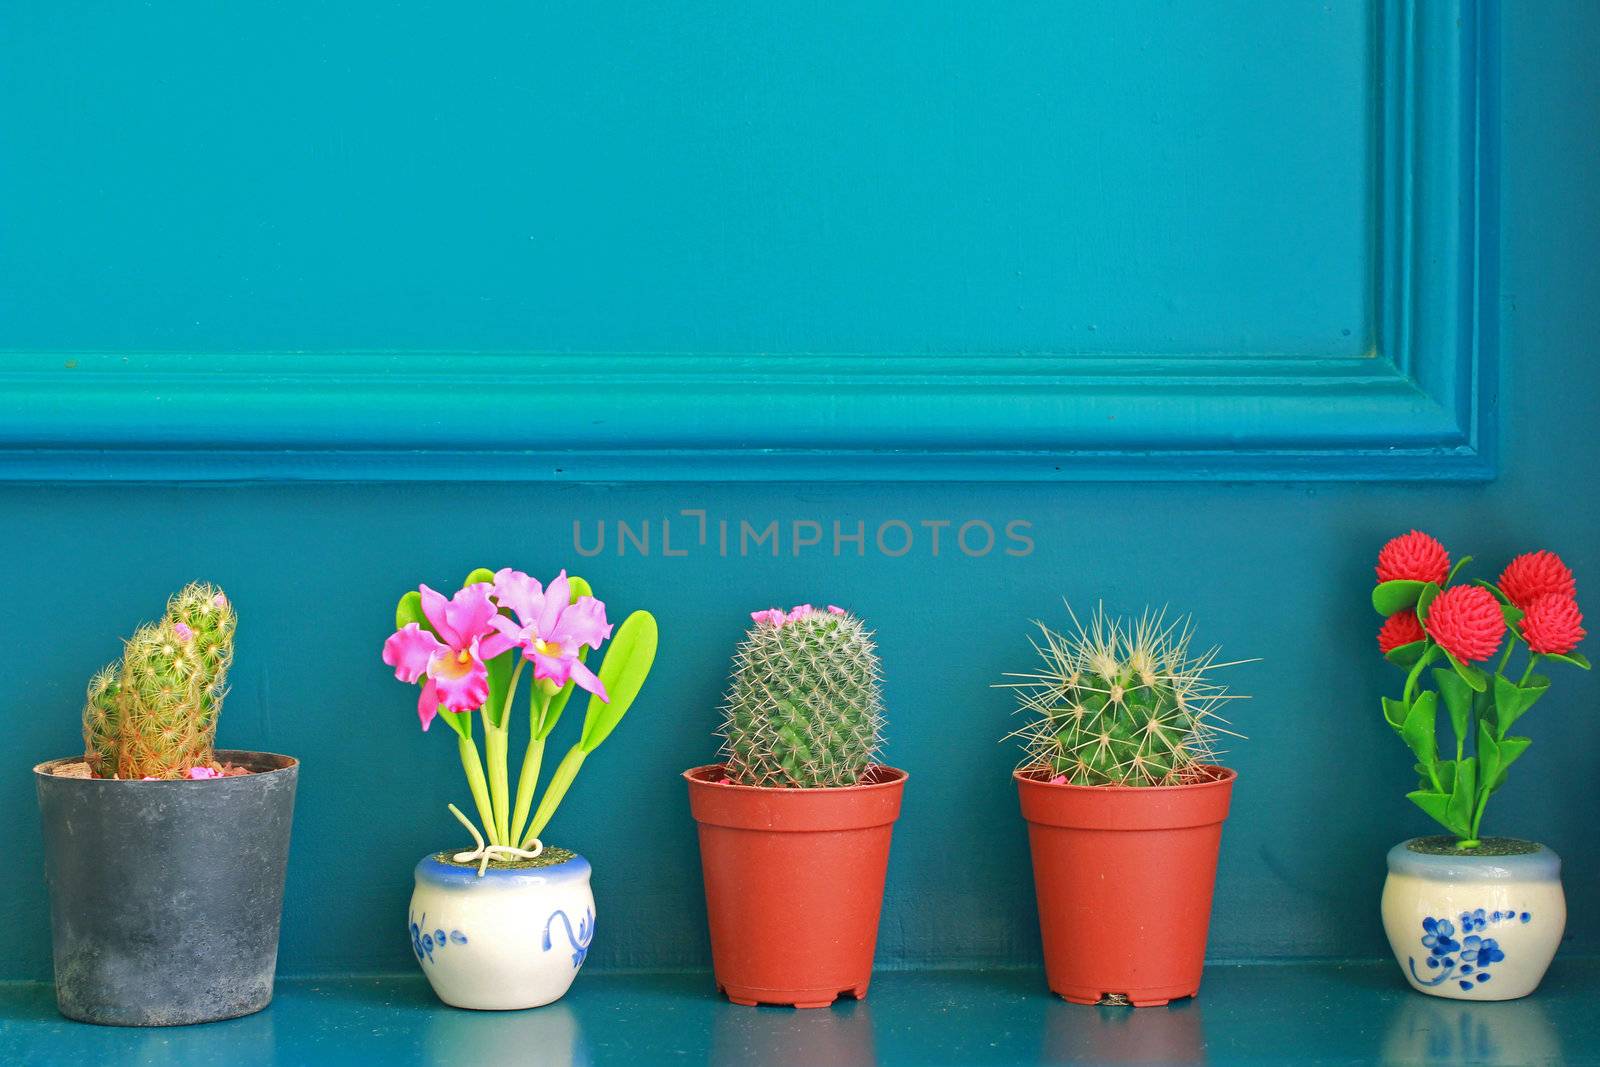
<point x="1536" y="574"/>
<point x="1553" y="624"/>
<point x="1413" y="557"/>
<point x="1467" y="622"/>
<point x="1401" y="628"/>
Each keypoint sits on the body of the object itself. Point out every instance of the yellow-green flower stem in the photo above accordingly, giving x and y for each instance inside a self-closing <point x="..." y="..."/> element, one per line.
<point x="532" y="761"/>
<point x="566" y="771"/>
<point x="497" y="741"/>
<point x="472" y="763"/>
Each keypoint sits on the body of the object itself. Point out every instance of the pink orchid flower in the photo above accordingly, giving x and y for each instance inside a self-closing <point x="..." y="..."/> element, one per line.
<point x="453" y="661"/>
<point x="549" y="628"/>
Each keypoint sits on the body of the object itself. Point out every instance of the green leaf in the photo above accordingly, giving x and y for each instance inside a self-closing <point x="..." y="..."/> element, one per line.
<point x="1446" y="770"/>
<point x="1512" y="613"/>
<point x="1461" y="796"/>
<point x="1457" y="699"/>
<point x="626" y="666"/>
<point x="1406" y="655"/>
<point x="1488" y="753"/>
<point x="1470" y="674"/>
<point x="479" y="574"/>
<point x="1577" y="659"/>
<point x="1394" y="712"/>
<point x="409" y="610"/>
<point x="1495" y="589"/>
<point x="1510" y="748"/>
<point x="1425" y="600"/>
<point x="1418" y="728"/>
<point x="1512" y="700"/>
<point x="1390" y="597"/>
<point x="1437" y="805"/>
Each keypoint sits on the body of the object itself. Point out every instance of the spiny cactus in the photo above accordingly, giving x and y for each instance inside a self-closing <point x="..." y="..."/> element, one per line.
<point x="1121" y="703"/>
<point x="155" y="714"/>
<point x="804" y="709"/>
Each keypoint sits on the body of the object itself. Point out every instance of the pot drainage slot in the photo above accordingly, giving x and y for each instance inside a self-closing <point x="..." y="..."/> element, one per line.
<point x="1117" y="999"/>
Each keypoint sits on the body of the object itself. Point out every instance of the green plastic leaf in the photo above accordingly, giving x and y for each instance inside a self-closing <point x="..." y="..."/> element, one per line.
<point x="1394" y="712"/>
<point x="1425" y="600"/>
<point x="1406" y="655"/>
<point x="480" y="574"/>
<point x="1488" y="753"/>
<point x="1470" y="674"/>
<point x="409" y="610"/>
<point x="1418" y="728"/>
<point x="1509" y="748"/>
<point x="1512" y="700"/>
<point x="1457" y="697"/>
<point x="1495" y="589"/>
<point x="1512" y="613"/>
<point x="1446" y="770"/>
<point x="1437" y="805"/>
<point x="1577" y="659"/>
<point x="627" y="664"/>
<point x="1390" y="597"/>
<point x="1461" y="796"/>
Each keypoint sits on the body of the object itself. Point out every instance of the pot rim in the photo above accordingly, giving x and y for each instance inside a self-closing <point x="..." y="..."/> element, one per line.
<point x="1543" y="865"/>
<point x="45" y="770"/>
<point x="431" y="870"/>
<point x="894" y="778"/>
<point x="1220" y="775"/>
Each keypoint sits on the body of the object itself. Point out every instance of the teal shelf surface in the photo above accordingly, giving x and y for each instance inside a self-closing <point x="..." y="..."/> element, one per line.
<point x="1331" y="1013"/>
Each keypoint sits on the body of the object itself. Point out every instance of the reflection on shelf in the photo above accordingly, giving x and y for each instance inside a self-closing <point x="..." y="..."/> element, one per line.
<point x="550" y="1036"/>
<point x="1124" y="1034"/>
<point x="1426" y="1029"/>
<point x="837" y="1036"/>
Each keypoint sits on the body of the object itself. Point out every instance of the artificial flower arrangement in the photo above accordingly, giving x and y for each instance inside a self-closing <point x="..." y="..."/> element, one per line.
<point x="1458" y="643"/>
<point x="469" y="653"/>
<point x="1125" y="802"/>
<point x="795" y="824"/>
<point x="193" y="937"/>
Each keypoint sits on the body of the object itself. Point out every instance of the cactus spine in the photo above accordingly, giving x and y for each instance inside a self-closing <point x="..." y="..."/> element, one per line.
<point x="1121" y="703"/>
<point x="155" y="714"/>
<point x="804" y="708"/>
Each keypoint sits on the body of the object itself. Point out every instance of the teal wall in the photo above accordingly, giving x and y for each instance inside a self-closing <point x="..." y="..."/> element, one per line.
<point x="1278" y="571"/>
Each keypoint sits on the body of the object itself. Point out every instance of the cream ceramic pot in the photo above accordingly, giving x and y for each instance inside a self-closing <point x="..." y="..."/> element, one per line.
<point x="1473" y="926"/>
<point x="513" y="938"/>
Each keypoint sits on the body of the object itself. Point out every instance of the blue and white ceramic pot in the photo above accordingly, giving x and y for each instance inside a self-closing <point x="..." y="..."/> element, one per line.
<point x="1474" y="925"/>
<point x="513" y="938"/>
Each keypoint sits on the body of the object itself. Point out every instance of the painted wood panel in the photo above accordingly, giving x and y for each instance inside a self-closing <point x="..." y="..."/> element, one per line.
<point x="1092" y="241"/>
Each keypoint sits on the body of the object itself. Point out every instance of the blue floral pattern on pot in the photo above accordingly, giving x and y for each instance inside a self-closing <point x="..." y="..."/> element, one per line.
<point x="425" y="941"/>
<point x="1457" y="950"/>
<point x="579" y="940"/>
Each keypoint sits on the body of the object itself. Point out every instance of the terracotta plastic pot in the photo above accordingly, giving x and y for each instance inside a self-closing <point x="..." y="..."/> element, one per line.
<point x="1124" y="878"/>
<point x="794" y="884"/>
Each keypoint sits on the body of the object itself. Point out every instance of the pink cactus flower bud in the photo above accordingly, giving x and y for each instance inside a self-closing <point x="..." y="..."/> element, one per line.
<point x="183" y="631"/>
<point x="220" y="600"/>
<point x="834" y="609"/>
<point x="200" y="773"/>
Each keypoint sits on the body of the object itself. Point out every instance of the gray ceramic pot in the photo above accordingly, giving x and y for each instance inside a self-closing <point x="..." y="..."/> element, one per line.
<point x="165" y="897"/>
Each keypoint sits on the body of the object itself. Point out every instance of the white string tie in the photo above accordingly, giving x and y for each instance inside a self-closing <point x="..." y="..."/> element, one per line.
<point x="484" y="853"/>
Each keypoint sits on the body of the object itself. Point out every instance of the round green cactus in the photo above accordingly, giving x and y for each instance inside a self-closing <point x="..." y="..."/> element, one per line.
<point x="155" y="714"/>
<point x="1121" y="703"/>
<point x="804" y="708"/>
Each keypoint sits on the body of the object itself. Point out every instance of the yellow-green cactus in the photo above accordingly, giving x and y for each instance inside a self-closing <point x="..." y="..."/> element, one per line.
<point x="155" y="715"/>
